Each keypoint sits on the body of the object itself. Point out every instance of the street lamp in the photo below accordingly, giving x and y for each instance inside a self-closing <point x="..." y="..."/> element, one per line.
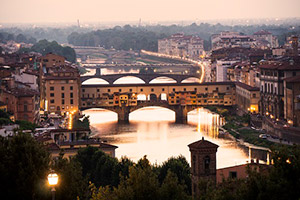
<point x="52" y="180"/>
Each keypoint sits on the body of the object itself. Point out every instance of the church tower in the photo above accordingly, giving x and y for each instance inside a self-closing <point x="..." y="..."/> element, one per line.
<point x="203" y="161"/>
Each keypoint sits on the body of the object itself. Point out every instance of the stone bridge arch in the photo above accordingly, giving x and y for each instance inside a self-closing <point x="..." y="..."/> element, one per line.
<point x="111" y="78"/>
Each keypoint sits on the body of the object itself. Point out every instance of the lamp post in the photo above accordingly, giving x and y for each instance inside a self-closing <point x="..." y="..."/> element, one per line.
<point x="52" y="180"/>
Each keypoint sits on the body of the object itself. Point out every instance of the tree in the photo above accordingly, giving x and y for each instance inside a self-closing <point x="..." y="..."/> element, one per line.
<point x="172" y="189"/>
<point x="180" y="167"/>
<point x="71" y="182"/>
<point x="98" y="167"/>
<point x="142" y="183"/>
<point x="24" y="166"/>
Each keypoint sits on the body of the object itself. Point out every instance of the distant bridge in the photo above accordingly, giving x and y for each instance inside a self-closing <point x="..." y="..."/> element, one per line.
<point x="118" y="66"/>
<point x="123" y="112"/>
<point x="163" y="95"/>
<point x="147" y="78"/>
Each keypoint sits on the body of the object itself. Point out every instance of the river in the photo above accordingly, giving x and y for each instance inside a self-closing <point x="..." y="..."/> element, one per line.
<point x="152" y="132"/>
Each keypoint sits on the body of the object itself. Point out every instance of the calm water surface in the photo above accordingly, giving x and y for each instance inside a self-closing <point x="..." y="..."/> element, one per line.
<point x="152" y="132"/>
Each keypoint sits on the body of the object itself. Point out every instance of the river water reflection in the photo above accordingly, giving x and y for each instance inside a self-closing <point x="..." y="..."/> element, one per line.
<point x="152" y="132"/>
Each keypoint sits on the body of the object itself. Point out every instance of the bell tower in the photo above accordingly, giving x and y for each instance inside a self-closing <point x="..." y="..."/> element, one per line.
<point x="203" y="161"/>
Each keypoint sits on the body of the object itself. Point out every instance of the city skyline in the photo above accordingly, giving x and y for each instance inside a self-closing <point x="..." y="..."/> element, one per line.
<point x="34" y="11"/>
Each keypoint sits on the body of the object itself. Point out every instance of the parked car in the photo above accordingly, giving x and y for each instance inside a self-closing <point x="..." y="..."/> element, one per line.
<point x="263" y="136"/>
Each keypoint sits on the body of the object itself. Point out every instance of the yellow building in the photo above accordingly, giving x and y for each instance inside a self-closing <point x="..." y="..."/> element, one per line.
<point x="61" y="90"/>
<point x="50" y="60"/>
<point x="247" y="98"/>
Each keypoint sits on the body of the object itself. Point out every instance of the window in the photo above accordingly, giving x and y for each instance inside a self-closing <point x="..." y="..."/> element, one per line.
<point x="227" y="88"/>
<point x="254" y="95"/>
<point x="184" y="89"/>
<point x="206" y="89"/>
<point x="63" y="101"/>
<point x="294" y="73"/>
<point x="108" y="90"/>
<point x="71" y="87"/>
<point x="62" y="88"/>
<point x="83" y="90"/>
<point x="51" y="100"/>
<point x="195" y="89"/>
<point x="152" y="90"/>
<point x="71" y="101"/>
<point x="142" y="90"/>
<point x="206" y="163"/>
<point x="25" y="108"/>
<point x="51" y="88"/>
<point x="51" y="94"/>
<point x="173" y="89"/>
<point x="62" y="95"/>
<point x="98" y="90"/>
<point x="163" y="89"/>
<point x="217" y="89"/>
<point x="130" y="90"/>
<point x="233" y="174"/>
<point x="120" y="90"/>
<point x="71" y="95"/>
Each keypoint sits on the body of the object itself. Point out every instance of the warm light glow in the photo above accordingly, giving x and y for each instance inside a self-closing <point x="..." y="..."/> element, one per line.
<point x="290" y="121"/>
<point x="271" y="116"/>
<point x="52" y="179"/>
<point x="288" y="161"/>
<point x="267" y="113"/>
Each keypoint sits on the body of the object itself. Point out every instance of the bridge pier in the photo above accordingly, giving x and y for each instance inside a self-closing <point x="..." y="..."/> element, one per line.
<point x="181" y="115"/>
<point x="123" y="115"/>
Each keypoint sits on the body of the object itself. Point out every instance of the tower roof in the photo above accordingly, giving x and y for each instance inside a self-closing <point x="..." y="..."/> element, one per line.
<point x="203" y="144"/>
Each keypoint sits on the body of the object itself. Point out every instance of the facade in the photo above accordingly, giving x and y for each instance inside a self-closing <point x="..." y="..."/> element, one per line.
<point x="203" y="163"/>
<point x="292" y="100"/>
<point x="227" y="39"/>
<point x="23" y="103"/>
<point x="50" y="60"/>
<point x="239" y="171"/>
<point x="221" y="93"/>
<point x="247" y="98"/>
<point x="68" y="142"/>
<point x="181" y="45"/>
<point x="61" y="89"/>
<point x="272" y="86"/>
<point x="265" y="39"/>
<point x="59" y="85"/>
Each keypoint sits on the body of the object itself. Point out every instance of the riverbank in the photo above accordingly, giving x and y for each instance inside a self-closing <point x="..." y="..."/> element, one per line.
<point x="238" y="127"/>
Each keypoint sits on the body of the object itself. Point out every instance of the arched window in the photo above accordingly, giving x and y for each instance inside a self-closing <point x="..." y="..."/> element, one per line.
<point x="206" y="163"/>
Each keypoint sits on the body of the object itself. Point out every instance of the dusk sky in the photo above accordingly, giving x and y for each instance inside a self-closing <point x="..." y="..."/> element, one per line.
<point x="29" y="11"/>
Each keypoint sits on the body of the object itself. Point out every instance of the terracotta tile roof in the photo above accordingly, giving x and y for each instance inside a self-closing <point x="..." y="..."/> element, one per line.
<point x="280" y="66"/>
<point x="247" y="87"/>
<point x="202" y="144"/>
<point x="262" y="32"/>
<point x="293" y="79"/>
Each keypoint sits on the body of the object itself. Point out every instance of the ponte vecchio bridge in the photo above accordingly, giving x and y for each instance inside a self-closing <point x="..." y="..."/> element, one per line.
<point x="178" y="97"/>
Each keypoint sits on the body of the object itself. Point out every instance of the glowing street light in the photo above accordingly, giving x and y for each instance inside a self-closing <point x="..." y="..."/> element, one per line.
<point x="52" y="180"/>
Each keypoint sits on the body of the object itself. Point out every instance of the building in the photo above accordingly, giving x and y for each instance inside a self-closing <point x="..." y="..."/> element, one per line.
<point x="272" y="86"/>
<point x="240" y="171"/>
<point x="22" y="102"/>
<point x="67" y="142"/>
<point x="265" y="39"/>
<point x="247" y="97"/>
<point x="227" y="39"/>
<point x="292" y="100"/>
<point x="50" y="60"/>
<point x="181" y="45"/>
<point x="203" y="163"/>
<point x="61" y="89"/>
<point x="59" y="85"/>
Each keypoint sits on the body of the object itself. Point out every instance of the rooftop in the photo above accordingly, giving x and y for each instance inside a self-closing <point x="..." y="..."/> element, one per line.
<point x="202" y="144"/>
